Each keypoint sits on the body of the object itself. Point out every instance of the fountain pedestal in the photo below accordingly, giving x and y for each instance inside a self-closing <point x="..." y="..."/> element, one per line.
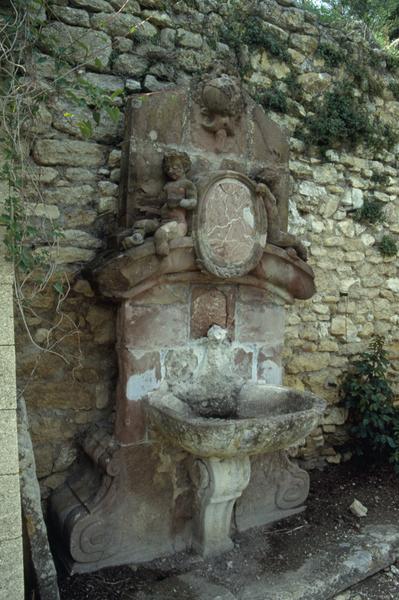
<point x="219" y="482"/>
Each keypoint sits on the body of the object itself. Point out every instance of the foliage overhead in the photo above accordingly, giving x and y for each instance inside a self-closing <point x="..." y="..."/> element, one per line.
<point x="381" y="16"/>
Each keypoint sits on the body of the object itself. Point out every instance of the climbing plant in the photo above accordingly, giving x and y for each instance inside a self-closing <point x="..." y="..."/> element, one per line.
<point x="30" y="239"/>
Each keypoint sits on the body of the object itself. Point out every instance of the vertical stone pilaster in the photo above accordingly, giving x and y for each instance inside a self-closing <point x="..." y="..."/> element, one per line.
<point x="11" y="557"/>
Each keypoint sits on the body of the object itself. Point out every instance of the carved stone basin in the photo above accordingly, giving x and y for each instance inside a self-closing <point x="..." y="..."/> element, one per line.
<point x="266" y="418"/>
<point x="263" y="419"/>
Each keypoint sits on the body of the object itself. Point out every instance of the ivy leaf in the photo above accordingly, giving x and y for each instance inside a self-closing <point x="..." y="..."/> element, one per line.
<point x="58" y="287"/>
<point x="114" y="113"/>
<point x="116" y="93"/>
<point x="85" y="127"/>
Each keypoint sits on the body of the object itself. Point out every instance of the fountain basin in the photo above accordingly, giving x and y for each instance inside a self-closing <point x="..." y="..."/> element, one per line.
<point x="267" y="418"/>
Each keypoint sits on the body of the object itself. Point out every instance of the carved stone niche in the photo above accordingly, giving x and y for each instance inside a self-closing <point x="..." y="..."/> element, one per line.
<point x="230" y="224"/>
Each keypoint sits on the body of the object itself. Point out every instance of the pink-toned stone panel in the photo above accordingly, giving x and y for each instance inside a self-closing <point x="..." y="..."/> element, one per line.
<point x="155" y="326"/>
<point x="259" y="323"/>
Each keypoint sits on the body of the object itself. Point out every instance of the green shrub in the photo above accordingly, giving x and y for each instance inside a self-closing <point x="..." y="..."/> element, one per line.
<point x="367" y="393"/>
<point x="372" y="211"/>
<point x="338" y="119"/>
<point x="241" y="27"/>
<point x="294" y="88"/>
<point x="388" y="246"/>
<point x="341" y="119"/>
<point x="392" y="61"/>
<point x="394" y="87"/>
<point x="273" y="99"/>
<point x="332" y="55"/>
<point x="380" y="178"/>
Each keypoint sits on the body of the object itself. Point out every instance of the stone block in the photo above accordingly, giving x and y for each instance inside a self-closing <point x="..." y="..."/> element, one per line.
<point x="116" y="24"/>
<point x="308" y="362"/>
<point x="56" y="395"/>
<point x="165" y="294"/>
<point x="208" y="307"/>
<point x="6" y="266"/>
<point x="180" y="364"/>
<point x="68" y="152"/>
<point x="94" y="5"/>
<point x="131" y="64"/>
<point x="80" y="238"/>
<point x="335" y="415"/>
<point x="10" y="508"/>
<point x="82" y="46"/>
<point x="71" y="16"/>
<point x="42" y="210"/>
<point x="8" y="447"/>
<point x="11" y="568"/>
<point x="243" y="360"/>
<point x="155" y="326"/>
<point x="188" y="39"/>
<point x="143" y="372"/>
<point x="259" y="323"/>
<point x="269" y="368"/>
<point x="7" y="377"/>
<point x="102" y="323"/>
<point x="159" y="115"/>
<point x="6" y="316"/>
<point x="69" y="254"/>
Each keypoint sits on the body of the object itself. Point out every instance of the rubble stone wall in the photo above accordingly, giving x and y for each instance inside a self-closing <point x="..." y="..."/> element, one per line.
<point x="149" y="45"/>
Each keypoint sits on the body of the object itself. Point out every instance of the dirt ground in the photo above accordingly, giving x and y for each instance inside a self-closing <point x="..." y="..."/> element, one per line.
<point x="326" y="519"/>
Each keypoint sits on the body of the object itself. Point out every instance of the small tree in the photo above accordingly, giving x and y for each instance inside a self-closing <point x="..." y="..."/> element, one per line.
<point x="368" y="394"/>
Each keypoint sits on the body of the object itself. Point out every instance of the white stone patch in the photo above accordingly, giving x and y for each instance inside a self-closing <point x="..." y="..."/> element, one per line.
<point x="353" y="198"/>
<point x="346" y="284"/>
<point x="271" y="372"/>
<point x="393" y="284"/>
<point x="153" y="135"/>
<point x="141" y="384"/>
<point x="248" y="216"/>
<point x="367" y="239"/>
<point x="308" y="188"/>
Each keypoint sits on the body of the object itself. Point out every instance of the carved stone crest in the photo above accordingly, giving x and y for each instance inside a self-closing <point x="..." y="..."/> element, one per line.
<point x="230" y="224"/>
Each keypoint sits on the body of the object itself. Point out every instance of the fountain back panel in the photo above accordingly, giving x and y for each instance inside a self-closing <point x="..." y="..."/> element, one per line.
<point x="201" y="267"/>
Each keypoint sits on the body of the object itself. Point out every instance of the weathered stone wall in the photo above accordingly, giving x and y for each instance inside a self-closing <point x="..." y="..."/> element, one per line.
<point x="148" y="45"/>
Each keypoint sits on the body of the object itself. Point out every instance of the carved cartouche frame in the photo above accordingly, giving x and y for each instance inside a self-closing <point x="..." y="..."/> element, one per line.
<point x="245" y="213"/>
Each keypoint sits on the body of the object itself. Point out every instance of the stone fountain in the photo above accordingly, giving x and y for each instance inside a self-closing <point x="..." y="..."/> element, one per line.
<point x="202" y="267"/>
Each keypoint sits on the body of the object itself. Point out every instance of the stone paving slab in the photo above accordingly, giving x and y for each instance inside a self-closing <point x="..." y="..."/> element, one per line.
<point x="328" y="572"/>
<point x="183" y="587"/>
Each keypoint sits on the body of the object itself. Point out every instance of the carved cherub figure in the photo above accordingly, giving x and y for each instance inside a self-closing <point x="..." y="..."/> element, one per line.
<point x="179" y="195"/>
<point x="222" y="105"/>
<point x="140" y="229"/>
<point x="275" y="236"/>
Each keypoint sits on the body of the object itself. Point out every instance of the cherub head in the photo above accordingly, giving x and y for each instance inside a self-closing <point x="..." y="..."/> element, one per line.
<point x="176" y="164"/>
<point x="222" y="95"/>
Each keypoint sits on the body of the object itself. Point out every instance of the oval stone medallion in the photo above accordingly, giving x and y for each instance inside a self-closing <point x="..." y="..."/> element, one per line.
<point x="230" y="225"/>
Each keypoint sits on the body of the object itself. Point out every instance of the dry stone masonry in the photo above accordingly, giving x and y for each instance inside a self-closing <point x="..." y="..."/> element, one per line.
<point x="154" y="46"/>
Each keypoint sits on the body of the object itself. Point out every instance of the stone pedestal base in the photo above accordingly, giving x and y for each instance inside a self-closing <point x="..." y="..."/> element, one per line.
<point x="136" y="503"/>
<point x="219" y="483"/>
